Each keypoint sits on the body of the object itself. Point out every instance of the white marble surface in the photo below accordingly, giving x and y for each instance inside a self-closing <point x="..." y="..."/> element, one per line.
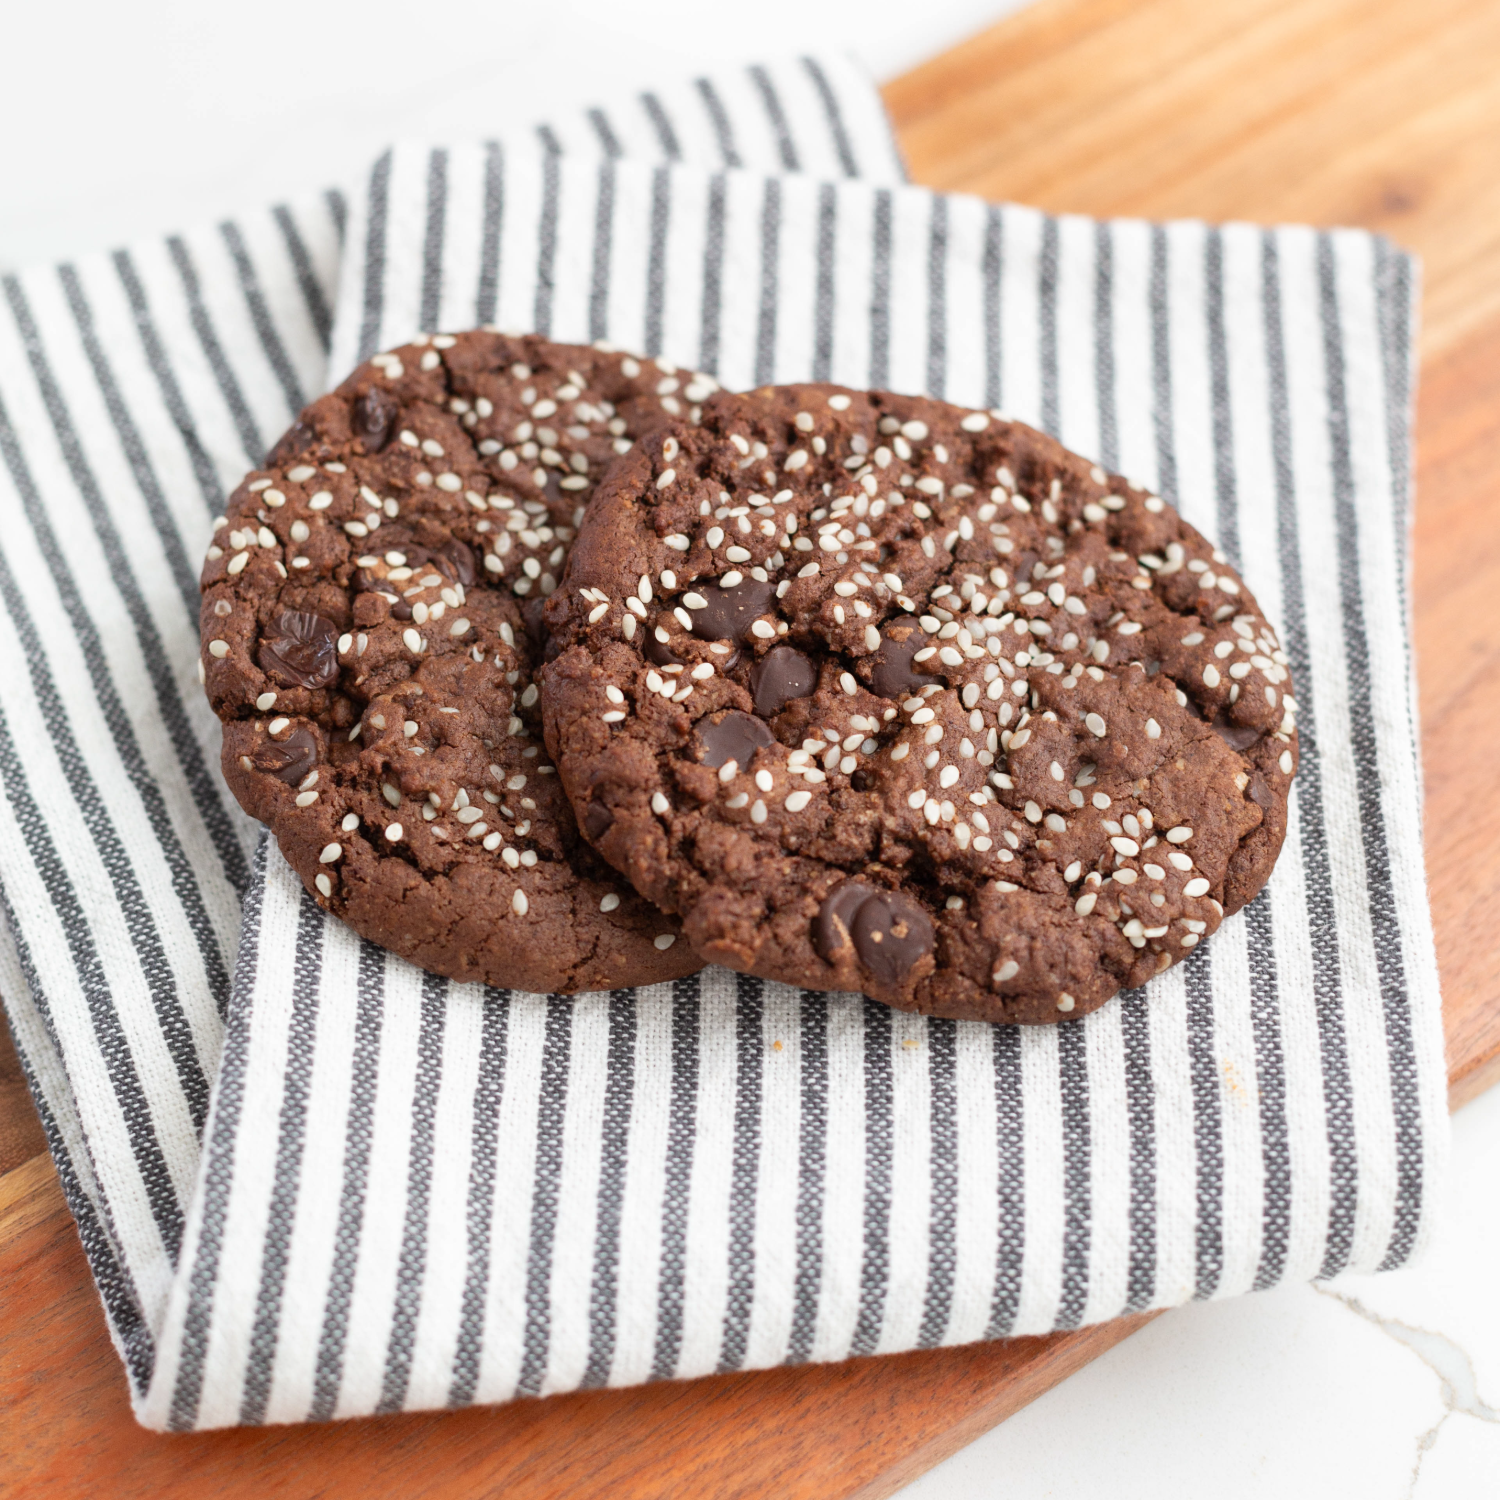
<point x="122" y="120"/>
<point x="1376" y="1387"/>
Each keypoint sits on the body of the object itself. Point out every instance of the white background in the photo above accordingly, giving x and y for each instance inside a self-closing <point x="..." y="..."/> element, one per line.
<point x="122" y="120"/>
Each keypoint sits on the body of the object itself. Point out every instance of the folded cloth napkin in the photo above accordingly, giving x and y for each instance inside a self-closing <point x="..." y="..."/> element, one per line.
<point x="135" y="389"/>
<point x="420" y="1194"/>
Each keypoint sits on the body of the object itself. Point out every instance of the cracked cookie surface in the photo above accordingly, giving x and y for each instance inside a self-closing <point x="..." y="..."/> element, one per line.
<point x="370" y="633"/>
<point x="883" y="694"/>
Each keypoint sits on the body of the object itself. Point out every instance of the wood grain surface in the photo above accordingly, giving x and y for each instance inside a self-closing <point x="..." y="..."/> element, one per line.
<point x="1384" y="113"/>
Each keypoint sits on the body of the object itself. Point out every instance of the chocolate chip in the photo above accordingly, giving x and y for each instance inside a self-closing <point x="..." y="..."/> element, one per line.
<point x="1260" y="791"/>
<point x="778" y="677"/>
<point x="296" y="439"/>
<point x="1236" y="736"/>
<point x="890" y="934"/>
<point x="289" y="760"/>
<point x="730" y="613"/>
<point x="734" y="736"/>
<point x="597" y="820"/>
<point x="891" y="672"/>
<point x="374" y="416"/>
<point x="301" y="650"/>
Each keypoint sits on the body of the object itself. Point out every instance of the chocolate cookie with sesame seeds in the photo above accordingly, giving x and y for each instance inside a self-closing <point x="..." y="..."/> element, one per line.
<point x="883" y="694"/>
<point x="371" y="629"/>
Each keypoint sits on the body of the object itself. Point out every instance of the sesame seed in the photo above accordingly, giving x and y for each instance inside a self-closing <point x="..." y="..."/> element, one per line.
<point x="797" y="801"/>
<point x="519" y="904"/>
<point x="1196" y="887"/>
<point x="659" y="803"/>
<point x="610" y="902"/>
<point x="1125" y="846"/>
<point x="764" y="780"/>
<point x="1211" y="675"/>
<point x="1286" y="762"/>
<point x="412" y="641"/>
<point x="1065" y="1002"/>
<point x="1179" y="835"/>
<point x="758" y="811"/>
<point x="1096" y="725"/>
<point x="330" y="853"/>
<point x="1008" y="970"/>
<point x="847" y="682"/>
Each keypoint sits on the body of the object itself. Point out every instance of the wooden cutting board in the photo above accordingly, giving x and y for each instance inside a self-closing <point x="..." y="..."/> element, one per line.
<point x="1384" y="113"/>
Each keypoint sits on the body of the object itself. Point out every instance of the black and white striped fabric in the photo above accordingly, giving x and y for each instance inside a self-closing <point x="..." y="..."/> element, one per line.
<point x="418" y="1194"/>
<point x="135" y="389"/>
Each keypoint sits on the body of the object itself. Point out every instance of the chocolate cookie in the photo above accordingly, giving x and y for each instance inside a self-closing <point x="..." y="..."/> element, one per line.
<point x="371" y="625"/>
<point x="883" y="694"/>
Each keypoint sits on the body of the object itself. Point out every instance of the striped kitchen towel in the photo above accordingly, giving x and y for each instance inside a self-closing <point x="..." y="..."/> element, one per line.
<point x="419" y="1194"/>
<point x="135" y="390"/>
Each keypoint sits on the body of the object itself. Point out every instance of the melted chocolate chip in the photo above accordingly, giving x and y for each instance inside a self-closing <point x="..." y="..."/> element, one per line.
<point x="532" y="612"/>
<point x="735" y="736"/>
<point x="298" y="438"/>
<point x="890" y="934"/>
<point x="1260" y="791"/>
<point x="461" y="556"/>
<point x="374" y="417"/>
<point x="597" y="820"/>
<point x="301" y="650"/>
<point x="661" y="652"/>
<point x="454" y="560"/>
<point x="836" y="916"/>
<point x="365" y="582"/>
<point x="730" y="613"/>
<point x="891" y="672"/>
<point x="1236" y="736"/>
<point x="780" y="676"/>
<point x="289" y="760"/>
